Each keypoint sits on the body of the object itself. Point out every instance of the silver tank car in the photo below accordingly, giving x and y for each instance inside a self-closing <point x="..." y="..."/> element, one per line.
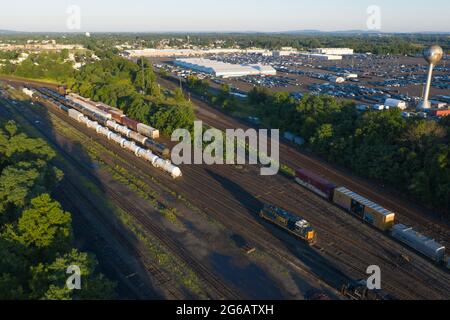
<point x="151" y="157"/>
<point x="138" y="137"/>
<point x="419" y="242"/>
<point x="156" y="161"/>
<point x="119" y="128"/>
<point x="167" y="166"/>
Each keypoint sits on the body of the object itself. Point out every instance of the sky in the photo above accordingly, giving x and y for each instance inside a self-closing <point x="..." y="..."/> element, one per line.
<point x="223" y="15"/>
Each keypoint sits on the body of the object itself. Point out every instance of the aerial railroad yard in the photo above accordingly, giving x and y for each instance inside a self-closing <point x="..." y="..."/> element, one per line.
<point x="228" y="200"/>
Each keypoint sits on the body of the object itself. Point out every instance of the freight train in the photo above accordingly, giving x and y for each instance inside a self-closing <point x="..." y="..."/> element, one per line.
<point x="156" y="161"/>
<point x="372" y="213"/>
<point x="290" y="222"/>
<point x="112" y="118"/>
<point x="116" y="115"/>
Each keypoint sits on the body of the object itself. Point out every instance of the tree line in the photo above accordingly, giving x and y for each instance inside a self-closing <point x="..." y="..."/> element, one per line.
<point x="133" y="88"/>
<point x="130" y="86"/>
<point x="36" y="237"/>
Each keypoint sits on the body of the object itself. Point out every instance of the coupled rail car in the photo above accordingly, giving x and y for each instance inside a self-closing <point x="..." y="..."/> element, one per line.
<point x="372" y="213"/>
<point x="93" y="111"/>
<point x="290" y="222"/>
<point x="155" y="160"/>
<point x="119" y="117"/>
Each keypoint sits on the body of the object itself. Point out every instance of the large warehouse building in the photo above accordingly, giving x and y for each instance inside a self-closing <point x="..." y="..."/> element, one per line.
<point x="225" y="70"/>
<point x="334" y="51"/>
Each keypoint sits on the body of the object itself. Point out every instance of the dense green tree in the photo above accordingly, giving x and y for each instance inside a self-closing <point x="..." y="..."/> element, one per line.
<point x="49" y="279"/>
<point x="35" y="232"/>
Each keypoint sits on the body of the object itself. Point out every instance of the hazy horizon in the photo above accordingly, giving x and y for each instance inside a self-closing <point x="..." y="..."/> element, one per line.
<point x="139" y="16"/>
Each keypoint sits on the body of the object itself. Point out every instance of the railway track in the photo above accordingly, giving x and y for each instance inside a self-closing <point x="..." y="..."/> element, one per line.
<point x="261" y="234"/>
<point x="143" y="167"/>
<point x="221" y="290"/>
<point x="237" y="219"/>
<point x="408" y="214"/>
<point x="358" y="254"/>
<point x="71" y="194"/>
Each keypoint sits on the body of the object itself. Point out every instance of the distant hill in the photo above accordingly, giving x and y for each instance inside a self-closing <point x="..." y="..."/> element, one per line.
<point x="6" y="32"/>
<point x="356" y="32"/>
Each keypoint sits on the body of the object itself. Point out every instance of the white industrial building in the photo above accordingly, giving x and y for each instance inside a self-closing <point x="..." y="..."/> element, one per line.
<point x="319" y="56"/>
<point x="334" y="51"/>
<point x="394" y="103"/>
<point x="152" y="53"/>
<point x="326" y="57"/>
<point x="225" y="70"/>
<point x="285" y="52"/>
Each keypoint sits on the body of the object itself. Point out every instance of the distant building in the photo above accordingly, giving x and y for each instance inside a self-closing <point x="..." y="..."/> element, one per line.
<point x="326" y="57"/>
<point x="334" y="51"/>
<point x="284" y="52"/>
<point x="190" y="52"/>
<point x="394" y="103"/>
<point x="225" y="70"/>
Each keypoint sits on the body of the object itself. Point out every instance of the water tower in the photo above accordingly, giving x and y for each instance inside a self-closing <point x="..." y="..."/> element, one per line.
<point x="432" y="55"/>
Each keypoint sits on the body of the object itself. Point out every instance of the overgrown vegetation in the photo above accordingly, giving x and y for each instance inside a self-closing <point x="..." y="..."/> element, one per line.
<point x="36" y="240"/>
<point x="46" y="65"/>
<point x="133" y="88"/>
<point x="113" y="80"/>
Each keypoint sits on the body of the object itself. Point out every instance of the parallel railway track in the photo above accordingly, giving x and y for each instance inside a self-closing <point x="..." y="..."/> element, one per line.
<point x="233" y="217"/>
<point x="407" y="213"/>
<point x="221" y="289"/>
<point x="259" y="235"/>
<point x="198" y="180"/>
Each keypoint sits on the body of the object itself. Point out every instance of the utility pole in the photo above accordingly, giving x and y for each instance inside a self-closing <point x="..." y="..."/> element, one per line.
<point x="143" y="76"/>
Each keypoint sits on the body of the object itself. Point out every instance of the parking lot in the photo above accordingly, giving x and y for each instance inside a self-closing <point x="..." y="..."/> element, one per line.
<point x="364" y="78"/>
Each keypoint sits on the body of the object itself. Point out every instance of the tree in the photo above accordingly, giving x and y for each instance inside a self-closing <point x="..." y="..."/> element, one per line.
<point x="45" y="226"/>
<point x="49" y="279"/>
<point x="35" y="233"/>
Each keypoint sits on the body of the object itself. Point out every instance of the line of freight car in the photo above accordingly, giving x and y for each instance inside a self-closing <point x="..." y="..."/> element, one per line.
<point x="144" y="129"/>
<point x="290" y="222"/>
<point x="87" y="110"/>
<point x="371" y="213"/>
<point x="98" y="105"/>
<point x="105" y="119"/>
<point x="158" y="148"/>
<point x="156" y="161"/>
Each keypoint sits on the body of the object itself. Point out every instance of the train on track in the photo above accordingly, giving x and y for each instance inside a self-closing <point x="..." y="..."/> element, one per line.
<point x="372" y="213"/>
<point x="94" y="120"/>
<point x="112" y="118"/>
<point x="290" y="222"/>
<point x="358" y="291"/>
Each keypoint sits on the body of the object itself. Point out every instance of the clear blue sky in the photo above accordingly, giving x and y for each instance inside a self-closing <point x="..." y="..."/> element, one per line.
<point x="224" y="15"/>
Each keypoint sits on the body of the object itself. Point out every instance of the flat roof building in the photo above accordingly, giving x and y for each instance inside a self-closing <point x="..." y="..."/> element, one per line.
<point x="190" y="52"/>
<point x="225" y="70"/>
<point x="334" y="51"/>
